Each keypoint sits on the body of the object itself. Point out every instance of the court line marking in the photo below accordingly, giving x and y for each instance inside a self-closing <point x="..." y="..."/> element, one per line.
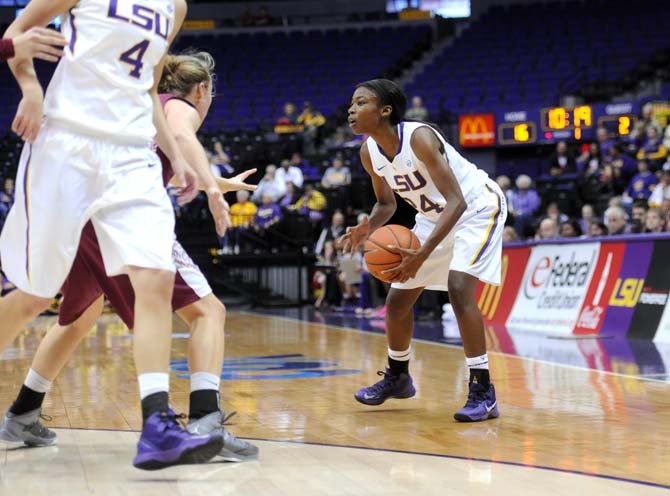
<point x="420" y="453"/>
<point x="447" y="345"/>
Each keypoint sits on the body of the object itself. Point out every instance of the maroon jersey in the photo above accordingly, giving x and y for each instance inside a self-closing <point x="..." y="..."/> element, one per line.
<point x="88" y="279"/>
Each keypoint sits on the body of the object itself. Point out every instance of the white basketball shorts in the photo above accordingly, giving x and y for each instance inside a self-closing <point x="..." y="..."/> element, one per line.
<point x="64" y="180"/>
<point x="473" y="246"/>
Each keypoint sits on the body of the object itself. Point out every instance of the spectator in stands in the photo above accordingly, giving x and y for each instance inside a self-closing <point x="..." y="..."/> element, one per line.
<point x="288" y="173"/>
<point x="617" y="221"/>
<point x="263" y="18"/>
<point x="648" y="120"/>
<point x="548" y="229"/>
<point x="561" y="161"/>
<point x="289" y="117"/>
<point x="587" y="218"/>
<point x="605" y="143"/>
<point x="330" y="233"/>
<point x="247" y="17"/>
<point x="620" y="166"/>
<point x="653" y="149"/>
<point x="641" y="185"/>
<point x="241" y="216"/>
<point x="337" y="179"/>
<point x="509" y="235"/>
<point x="570" y="229"/>
<point x="522" y="204"/>
<point x="220" y="162"/>
<point x="505" y="184"/>
<point x="325" y="279"/>
<point x="653" y="221"/>
<point x="634" y="140"/>
<point x="555" y="213"/>
<point x="660" y="197"/>
<point x="269" y="184"/>
<point x="597" y="228"/>
<point x="590" y="161"/>
<point x="313" y="121"/>
<point x="312" y="203"/>
<point x="417" y="112"/>
<point x="308" y="170"/>
<point x="637" y="215"/>
<point x="7" y="196"/>
<point x="287" y="202"/>
<point x="267" y="215"/>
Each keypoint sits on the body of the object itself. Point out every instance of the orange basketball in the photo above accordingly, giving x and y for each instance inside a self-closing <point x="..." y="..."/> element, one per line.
<point x="379" y="257"/>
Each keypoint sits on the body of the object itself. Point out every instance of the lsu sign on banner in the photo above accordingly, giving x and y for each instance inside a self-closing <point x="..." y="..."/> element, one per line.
<point x="476" y="130"/>
<point x="554" y="287"/>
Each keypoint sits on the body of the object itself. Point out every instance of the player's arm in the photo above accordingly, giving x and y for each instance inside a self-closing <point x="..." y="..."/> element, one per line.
<point x="164" y="138"/>
<point x="428" y="148"/>
<point x="28" y="117"/>
<point x="382" y="211"/>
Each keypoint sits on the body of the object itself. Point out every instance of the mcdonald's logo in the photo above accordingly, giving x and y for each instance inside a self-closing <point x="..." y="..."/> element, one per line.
<point x="476" y="130"/>
<point x="490" y="297"/>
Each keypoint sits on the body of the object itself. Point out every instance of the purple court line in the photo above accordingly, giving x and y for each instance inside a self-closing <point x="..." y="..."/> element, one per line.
<point x="421" y="453"/>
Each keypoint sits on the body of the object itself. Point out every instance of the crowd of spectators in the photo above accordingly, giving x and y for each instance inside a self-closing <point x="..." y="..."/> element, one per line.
<point x="611" y="187"/>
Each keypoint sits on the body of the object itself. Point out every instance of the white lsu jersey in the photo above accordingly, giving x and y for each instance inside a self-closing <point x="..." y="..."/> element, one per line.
<point x="409" y="177"/>
<point x="101" y="85"/>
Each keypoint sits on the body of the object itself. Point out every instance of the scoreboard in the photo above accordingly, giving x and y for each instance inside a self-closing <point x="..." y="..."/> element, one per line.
<point x="546" y="125"/>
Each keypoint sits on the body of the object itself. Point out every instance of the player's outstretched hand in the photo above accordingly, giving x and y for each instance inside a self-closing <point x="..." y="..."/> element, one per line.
<point x="186" y="179"/>
<point x="39" y="43"/>
<point x="354" y="236"/>
<point x="412" y="260"/>
<point x="237" y="183"/>
<point x="220" y="211"/>
<point x="28" y="118"/>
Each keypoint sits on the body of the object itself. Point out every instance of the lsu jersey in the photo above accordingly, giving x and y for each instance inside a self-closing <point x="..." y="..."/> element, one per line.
<point x="101" y="86"/>
<point x="409" y="177"/>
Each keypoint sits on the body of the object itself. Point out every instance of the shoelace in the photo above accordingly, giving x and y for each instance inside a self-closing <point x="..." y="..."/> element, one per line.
<point x="379" y="386"/>
<point x="475" y="396"/>
<point x="46" y="418"/>
<point x="227" y="418"/>
<point x="174" y="420"/>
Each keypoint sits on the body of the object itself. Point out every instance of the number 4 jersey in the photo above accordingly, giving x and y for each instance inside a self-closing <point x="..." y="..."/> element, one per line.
<point x="409" y="177"/>
<point x="102" y="85"/>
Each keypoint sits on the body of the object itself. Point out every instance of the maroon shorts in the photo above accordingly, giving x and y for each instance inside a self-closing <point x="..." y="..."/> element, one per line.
<point x="88" y="280"/>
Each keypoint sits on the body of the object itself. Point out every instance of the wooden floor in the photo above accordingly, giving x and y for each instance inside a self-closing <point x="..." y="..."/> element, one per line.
<point x="561" y="430"/>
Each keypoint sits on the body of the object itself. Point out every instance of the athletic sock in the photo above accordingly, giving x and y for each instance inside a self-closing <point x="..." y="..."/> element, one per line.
<point x="204" y="398"/>
<point x="31" y="394"/>
<point x="399" y="361"/>
<point x="479" y="369"/>
<point x="154" y="387"/>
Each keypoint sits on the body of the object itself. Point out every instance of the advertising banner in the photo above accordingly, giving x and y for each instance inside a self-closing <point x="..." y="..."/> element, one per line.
<point x="476" y="130"/>
<point x="554" y="288"/>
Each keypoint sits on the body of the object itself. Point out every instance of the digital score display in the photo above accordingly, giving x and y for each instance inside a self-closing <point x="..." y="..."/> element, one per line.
<point x="546" y="125"/>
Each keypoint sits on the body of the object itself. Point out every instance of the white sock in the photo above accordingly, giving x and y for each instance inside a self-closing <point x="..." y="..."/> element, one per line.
<point x="400" y="356"/>
<point x="37" y="383"/>
<point x="204" y="380"/>
<point x="480" y="362"/>
<point x="153" y="382"/>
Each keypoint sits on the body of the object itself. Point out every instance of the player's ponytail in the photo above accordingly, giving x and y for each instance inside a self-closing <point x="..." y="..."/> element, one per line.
<point x="389" y="94"/>
<point x="182" y="72"/>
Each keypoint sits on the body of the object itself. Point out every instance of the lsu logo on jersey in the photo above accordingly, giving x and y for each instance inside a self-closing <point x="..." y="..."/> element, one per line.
<point x="139" y="15"/>
<point x="405" y="182"/>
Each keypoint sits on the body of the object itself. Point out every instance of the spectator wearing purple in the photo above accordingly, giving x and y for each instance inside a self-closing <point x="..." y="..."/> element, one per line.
<point x="307" y="169"/>
<point x="267" y="215"/>
<point x="621" y="167"/>
<point x="605" y="143"/>
<point x="7" y="196"/>
<point x="642" y="184"/>
<point x="290" y="174"/>
<point x="561" y="161"/>
<point x="523" y="203"/>
<point x="653" y="149"/>
<point x="289" y="199"/>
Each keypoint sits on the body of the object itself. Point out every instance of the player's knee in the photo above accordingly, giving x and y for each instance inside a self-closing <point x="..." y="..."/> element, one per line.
<point x="459" y="295"/>
<point x="214" y="309"/>
<point x="153" y="284"/>
<point x="397" y="306"/>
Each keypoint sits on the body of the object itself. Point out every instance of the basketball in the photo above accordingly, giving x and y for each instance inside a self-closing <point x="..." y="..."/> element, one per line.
<point x="379" y="257"/>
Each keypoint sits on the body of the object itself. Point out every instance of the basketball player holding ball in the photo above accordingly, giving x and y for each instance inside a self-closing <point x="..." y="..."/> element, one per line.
<point x="460" y="218"/>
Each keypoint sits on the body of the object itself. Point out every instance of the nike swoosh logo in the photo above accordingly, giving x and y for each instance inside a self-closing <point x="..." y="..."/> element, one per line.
<point x="381" y="167"/>
<point x="480" y="210"/>
<point x="369" y="396"/>
<point x="489" y="408"/>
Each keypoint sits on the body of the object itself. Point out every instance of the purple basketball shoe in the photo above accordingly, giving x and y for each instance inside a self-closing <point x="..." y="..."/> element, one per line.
<point x="481" y="404"/>
<point x="391" y="386"/>
<point x="164" y="443"/>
